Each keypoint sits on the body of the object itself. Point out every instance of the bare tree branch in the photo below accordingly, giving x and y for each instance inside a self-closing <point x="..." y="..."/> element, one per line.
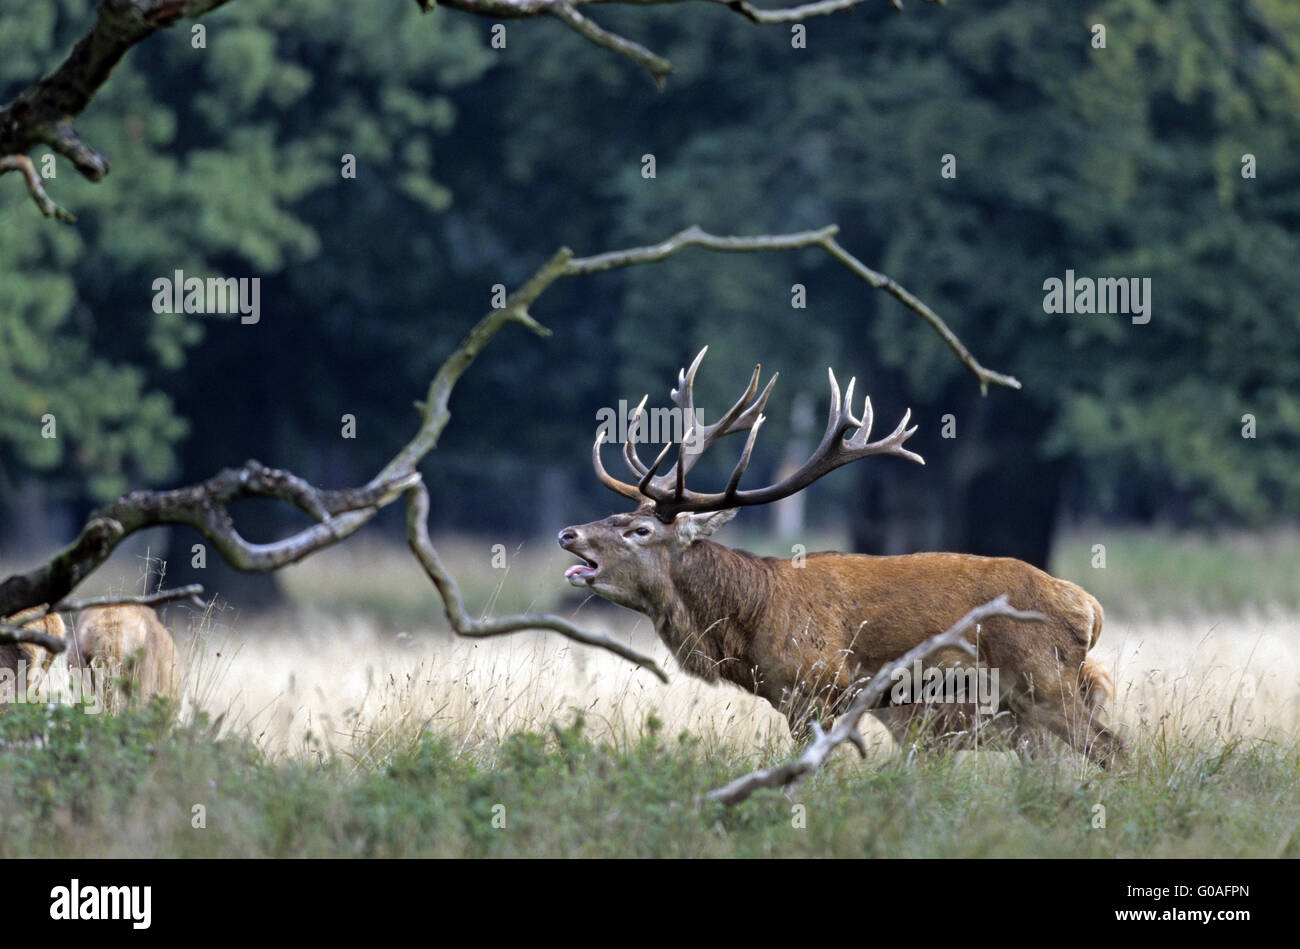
<point x="338" y="514"/>
<point x="823" y="238"/>
<point x="34" y="187"/>
<point x="192" y="592"/>
<point x="13" y="633"/>
<point x="204" y="507"/>
<point x="566" y="12"/>
<point x="417" y="533"/>
<point x="43" y="113"/>
<point x="658" y="67"/>
<point x="846" y="729"/>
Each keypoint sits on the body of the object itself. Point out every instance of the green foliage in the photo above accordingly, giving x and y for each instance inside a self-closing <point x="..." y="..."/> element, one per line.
<point x="224" y="158"/>
<point x="1122" y="161"/>
<point x="1177" y="112"/>
<point x="73" y="784"/>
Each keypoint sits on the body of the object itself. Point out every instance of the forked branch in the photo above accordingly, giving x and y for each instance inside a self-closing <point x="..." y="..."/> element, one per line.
<point x="338" y="515"/>
<point x="846" y="729"/>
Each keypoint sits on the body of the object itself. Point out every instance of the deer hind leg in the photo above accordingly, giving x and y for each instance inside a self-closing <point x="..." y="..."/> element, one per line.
<point x="1069" y="706"/>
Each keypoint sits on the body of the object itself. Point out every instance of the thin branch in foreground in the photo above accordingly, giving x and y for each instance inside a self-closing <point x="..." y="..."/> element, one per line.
<point x="846" y="729"/>
<point x="13" y="633"/>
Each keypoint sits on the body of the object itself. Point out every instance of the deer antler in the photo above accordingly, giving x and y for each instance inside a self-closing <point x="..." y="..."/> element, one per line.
<point x="668" y="493"/>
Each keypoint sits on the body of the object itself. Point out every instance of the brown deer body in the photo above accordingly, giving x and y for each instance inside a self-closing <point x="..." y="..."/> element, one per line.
<point x="36" y="660"/>
<point x="802" y="632"/>
<point x="127" y="641"/>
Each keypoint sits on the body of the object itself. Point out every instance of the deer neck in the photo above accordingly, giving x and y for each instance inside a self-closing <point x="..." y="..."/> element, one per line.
<point x="718" y="602"/>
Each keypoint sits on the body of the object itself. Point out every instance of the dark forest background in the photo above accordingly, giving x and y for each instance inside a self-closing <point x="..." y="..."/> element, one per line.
<point x="474" y="165"/>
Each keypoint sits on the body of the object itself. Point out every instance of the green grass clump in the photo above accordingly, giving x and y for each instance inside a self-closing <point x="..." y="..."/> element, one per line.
<point x="74" y="785"/>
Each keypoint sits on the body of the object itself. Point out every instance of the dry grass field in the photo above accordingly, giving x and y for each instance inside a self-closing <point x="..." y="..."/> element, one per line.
<point x="311" y="684"/>
<point x="345" y="697"/>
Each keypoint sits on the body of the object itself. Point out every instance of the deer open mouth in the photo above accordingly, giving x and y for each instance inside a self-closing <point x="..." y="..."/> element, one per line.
<point x="580" y="572"/>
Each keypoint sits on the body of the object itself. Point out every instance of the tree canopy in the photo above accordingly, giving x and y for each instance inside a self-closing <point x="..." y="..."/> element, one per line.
<point x="1167" y="154"/>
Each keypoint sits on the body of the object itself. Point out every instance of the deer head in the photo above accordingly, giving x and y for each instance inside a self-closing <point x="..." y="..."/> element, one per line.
<point x="632" y="559"/>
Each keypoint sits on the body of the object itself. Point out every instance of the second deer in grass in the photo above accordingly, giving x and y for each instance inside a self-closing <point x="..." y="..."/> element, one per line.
<point x="32" y="660"/>
<point x="129" y="644"/>
<point x="802" y="633"/>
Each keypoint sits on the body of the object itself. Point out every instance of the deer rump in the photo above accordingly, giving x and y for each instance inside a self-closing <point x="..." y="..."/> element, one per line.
<point x="129" y="642"/>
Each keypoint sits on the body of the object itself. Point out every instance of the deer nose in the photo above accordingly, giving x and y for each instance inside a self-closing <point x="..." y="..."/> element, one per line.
<point x="567" y="536"/>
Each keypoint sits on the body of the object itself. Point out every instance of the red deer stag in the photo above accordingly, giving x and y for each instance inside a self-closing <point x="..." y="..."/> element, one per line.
<point x="801" y="634"/>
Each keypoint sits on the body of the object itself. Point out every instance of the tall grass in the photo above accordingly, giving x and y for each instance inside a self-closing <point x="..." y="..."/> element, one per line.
<point x="344" y="731"/>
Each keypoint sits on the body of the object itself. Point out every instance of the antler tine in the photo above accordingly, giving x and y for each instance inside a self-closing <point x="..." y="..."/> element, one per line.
<point x="607" y="479"/>
<point x="848" y="403"/>
<point x="840" y="418"/>
<point x="684" y="394"/>
<point x="734" y="481"/>
<point x="864" y="429"/>
<point x="723" y="425"/>
<point x="680" y="491"/>
<point x="891" y="444"/>
<point x="834" y="416"/>
<point x="684" y="397"/>
<point x="630" y="455"/>
<point x="747" y="418"/>
<point x="731" y="421"/>
<point x="697" y="437"/>
<point x="646" y="486"/>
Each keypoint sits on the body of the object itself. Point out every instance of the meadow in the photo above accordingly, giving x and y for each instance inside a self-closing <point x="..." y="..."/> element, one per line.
<point x="354" y="724"/>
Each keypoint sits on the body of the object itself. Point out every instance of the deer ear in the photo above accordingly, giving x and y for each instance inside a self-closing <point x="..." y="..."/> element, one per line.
<point x="691" y="527"/>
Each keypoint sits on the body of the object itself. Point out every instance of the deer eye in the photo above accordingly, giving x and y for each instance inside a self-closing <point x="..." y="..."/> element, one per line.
<point x="642" y="532"/>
